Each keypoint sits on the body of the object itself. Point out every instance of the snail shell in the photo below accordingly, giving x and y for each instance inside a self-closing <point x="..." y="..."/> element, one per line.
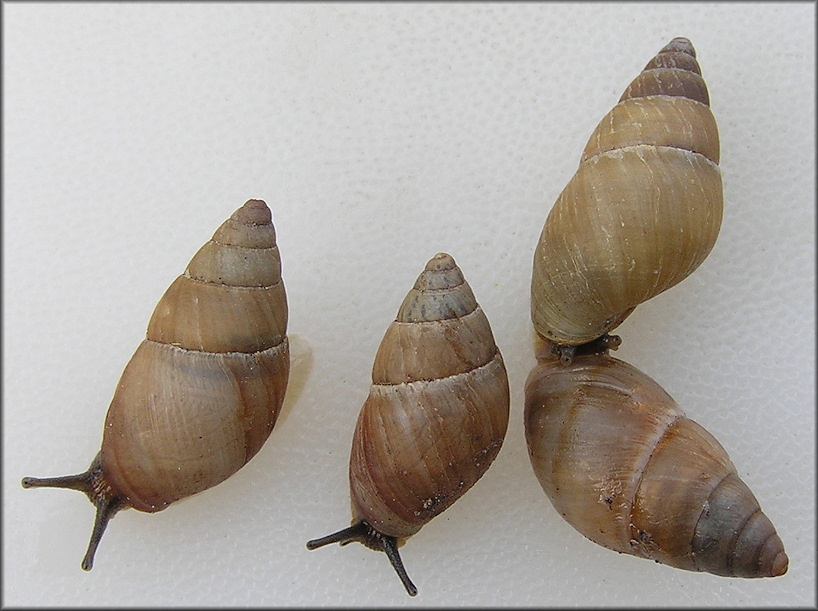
<point x="624" y="466"/>
<point x="435" y="417"/>
<point x="202" y="392"/>
<point x="641" y="213"/>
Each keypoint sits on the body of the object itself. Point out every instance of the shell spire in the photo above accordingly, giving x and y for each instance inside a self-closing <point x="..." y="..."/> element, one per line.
<point x="231" y="297"/>
<point x="674" y="71"/>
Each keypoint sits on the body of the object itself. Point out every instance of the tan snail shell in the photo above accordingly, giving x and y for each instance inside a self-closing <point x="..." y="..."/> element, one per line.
<point x="435" y="417"/>
<point x="202" y="392"/>
<point x="624" y="466"/>
<point x="641" y="213"/>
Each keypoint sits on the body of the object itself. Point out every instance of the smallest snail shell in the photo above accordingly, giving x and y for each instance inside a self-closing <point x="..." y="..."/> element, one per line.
<point x="435" y="417"/>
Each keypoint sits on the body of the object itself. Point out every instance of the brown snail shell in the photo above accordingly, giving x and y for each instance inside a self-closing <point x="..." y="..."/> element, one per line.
<point x="435" y="417"/>
<point x="641" y="213"/>
<point x="202" y="392"/>
<point x="624" y="466"/>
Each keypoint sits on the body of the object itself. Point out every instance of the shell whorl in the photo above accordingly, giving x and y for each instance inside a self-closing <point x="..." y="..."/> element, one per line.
<point x="641" y="213"/>
<point x="623" y="465"/>
<point x="437" y="411"/>
<point x="674" y="71"/>
<point x="231" y="297"/>
<point x="202" y="392"/>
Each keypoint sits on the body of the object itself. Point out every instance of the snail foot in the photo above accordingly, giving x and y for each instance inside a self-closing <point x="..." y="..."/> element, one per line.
<point x="600" y="345"/>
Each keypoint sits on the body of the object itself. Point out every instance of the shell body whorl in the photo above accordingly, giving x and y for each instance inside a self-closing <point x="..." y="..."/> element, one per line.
<point x="641" y="213"/>
<point x="624" y="466"/>
<point x="202" y="392"/>
<point x="437" y="411"/>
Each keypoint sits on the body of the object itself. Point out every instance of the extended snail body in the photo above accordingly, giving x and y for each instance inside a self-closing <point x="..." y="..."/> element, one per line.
<point x="202" y="392"/>
<point x="641" y="213"/>
<point x="623" y="465"/>
<point x="435" y="417"/>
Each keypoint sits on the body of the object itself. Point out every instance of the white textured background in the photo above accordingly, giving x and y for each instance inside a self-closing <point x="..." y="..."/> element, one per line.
<point x="381" y="134"/>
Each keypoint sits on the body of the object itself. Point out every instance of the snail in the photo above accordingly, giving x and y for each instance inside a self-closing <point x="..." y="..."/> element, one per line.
<point x="434" y="420"/>
<point x="642" y="211"/>
<point x="625" y="467"/>
<point x="202" y="392"/>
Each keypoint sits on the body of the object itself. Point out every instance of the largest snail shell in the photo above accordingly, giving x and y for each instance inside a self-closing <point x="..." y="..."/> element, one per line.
<point x="202" y="392"/>
<point x="623" y="465"/>
<point x="642" y="211"/>
<point x="435" y="418"/>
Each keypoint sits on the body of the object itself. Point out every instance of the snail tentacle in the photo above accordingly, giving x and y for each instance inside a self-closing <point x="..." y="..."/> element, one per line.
<point x="93" y="484"/>
<point x="105" y="511"/>
<point x="343" y="536"/>
<point x="364" y="533"/>
<point x="390" y="547"/>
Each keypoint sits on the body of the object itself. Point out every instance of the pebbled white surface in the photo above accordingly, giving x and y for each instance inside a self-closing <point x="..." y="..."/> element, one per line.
<point x="381" y="134"/>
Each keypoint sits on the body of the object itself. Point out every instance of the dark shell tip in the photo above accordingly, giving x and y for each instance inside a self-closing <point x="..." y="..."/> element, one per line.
<point x="780" y="564"/>
<point x="253" y="212"/>
<point x="679" y="44"/>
